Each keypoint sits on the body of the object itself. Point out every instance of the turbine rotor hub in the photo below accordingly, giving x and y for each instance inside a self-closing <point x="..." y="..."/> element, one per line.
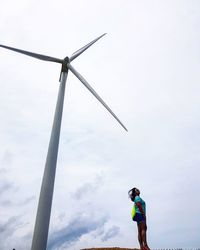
<point x="64" y="64"/>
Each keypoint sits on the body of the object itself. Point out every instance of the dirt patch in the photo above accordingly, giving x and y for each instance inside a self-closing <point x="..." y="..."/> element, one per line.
<point x="110" y="248"/>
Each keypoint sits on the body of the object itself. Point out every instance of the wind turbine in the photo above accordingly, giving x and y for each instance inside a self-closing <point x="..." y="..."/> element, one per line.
<point x="40" y="235"/>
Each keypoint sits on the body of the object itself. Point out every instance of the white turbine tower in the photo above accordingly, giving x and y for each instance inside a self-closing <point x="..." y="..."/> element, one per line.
<point x="41" y="229"/>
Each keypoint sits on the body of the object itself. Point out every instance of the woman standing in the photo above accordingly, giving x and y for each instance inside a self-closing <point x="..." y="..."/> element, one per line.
<point x="140" y="217"/>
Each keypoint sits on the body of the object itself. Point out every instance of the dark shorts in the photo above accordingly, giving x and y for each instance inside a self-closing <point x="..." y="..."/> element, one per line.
<point x="139" y="218"/>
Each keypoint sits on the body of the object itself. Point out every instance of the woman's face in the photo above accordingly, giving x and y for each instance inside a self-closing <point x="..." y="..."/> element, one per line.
<point x="137" y="191"/>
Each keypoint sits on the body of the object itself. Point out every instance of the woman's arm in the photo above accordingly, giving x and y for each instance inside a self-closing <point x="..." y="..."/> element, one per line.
<point x="140" y="208"/>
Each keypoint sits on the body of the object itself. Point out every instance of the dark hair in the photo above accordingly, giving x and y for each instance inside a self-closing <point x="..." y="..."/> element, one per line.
<point x="131" y="194"/>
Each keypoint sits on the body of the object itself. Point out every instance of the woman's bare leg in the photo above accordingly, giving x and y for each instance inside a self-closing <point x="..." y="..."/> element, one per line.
<point x="143" y="234"/>
<point x="139" y="236"/>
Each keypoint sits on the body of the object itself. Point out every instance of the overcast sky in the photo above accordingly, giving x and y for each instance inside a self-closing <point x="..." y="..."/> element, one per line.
<point x="147" y="70"/>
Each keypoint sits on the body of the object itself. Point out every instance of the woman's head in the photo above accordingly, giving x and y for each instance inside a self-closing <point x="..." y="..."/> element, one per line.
<point x="133" y="192"/>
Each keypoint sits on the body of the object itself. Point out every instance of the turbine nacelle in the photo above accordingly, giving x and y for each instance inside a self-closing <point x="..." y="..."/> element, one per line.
<point x="66" y="60"/>
<point x="64" y="67"/>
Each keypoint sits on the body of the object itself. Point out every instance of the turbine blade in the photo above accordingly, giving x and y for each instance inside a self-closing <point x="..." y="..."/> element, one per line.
<point x="81" y="50"/>
<point x="35" y="55"/>
<point x="72" y="69"/>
